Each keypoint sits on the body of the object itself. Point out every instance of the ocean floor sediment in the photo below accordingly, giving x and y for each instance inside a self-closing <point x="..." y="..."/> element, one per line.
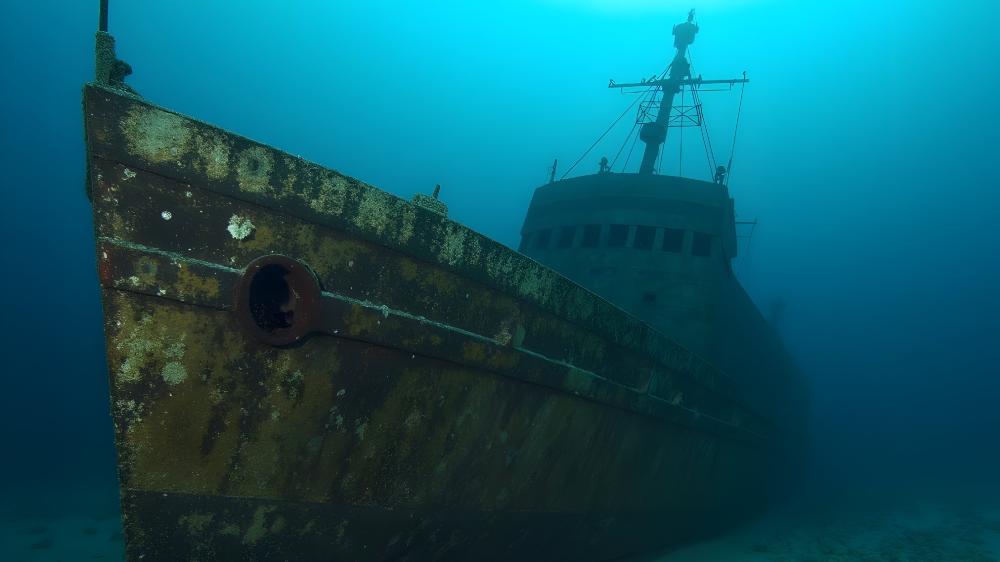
<point x="61" y="525"/>
<point x="937" y="529"/>
<point x="85" y="525"/>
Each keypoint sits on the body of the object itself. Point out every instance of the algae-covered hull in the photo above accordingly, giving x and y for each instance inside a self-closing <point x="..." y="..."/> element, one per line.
<point x="304" y="367"/>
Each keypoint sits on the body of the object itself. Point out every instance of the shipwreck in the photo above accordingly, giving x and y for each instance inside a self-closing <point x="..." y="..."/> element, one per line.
<point x="305" y="367"/>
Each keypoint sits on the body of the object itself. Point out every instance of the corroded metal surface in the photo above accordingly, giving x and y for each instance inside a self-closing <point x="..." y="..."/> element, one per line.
<point x="451" y="399"/>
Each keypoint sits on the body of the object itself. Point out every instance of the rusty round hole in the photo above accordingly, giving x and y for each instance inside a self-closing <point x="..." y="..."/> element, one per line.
<point x="272" y="304"/>
<point x="278" y="300"/>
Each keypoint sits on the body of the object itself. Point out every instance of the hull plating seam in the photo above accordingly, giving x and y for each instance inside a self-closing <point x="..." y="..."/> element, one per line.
<point x="437" y="340"/>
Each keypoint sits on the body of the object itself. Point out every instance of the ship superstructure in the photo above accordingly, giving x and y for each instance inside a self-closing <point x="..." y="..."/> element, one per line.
<point x="661" y="246"/>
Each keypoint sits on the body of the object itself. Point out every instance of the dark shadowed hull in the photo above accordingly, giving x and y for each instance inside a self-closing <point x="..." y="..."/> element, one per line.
<point x="304" y="367"/>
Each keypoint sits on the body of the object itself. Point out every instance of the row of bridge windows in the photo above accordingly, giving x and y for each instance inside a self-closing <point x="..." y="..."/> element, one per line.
<point x="644" y="238"/>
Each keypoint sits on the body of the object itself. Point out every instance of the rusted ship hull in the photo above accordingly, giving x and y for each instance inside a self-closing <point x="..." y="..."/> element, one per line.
<point x="304" y="367"/>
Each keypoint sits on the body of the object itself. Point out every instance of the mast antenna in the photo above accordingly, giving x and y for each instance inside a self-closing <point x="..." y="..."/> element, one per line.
<point x="109" y="70"/>
<point x="102" y="24"/>
<point x="654" y="132"/>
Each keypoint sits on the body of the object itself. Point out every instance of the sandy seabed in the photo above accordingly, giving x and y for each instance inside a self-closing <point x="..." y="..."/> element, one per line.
<point x="943" y="528"/>
<point x="61" y="526"/>
<point x="87" y="526"/>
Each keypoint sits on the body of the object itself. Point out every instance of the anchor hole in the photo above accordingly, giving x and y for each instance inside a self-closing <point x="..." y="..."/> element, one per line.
<point x="272" y="301"/>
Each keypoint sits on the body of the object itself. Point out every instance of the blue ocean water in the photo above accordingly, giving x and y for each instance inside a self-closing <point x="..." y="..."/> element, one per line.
<point x="866" y="150"/>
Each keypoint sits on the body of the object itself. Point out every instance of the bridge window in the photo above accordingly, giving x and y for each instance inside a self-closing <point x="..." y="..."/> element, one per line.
<point x="617" y="235"/>
<point x="591" y="235"/>
<point x="644" y="237"/>
<point x="673" y="240"/>
<point x="542" y="238"/>
<point x="525" y="241"/>
<point x="701" y="244"/>
<point x="566" y="235"/>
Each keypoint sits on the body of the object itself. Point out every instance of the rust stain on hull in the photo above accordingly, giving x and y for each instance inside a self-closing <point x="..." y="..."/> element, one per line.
<point x="451" y="399"/>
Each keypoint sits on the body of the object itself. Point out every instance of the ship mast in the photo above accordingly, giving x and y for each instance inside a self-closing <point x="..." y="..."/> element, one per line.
<point x="654" y="133"/>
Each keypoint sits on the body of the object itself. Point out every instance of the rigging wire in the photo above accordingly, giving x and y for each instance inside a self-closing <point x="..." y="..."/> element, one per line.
<point x="736" y="129"/>
<point x="703" y="130"/>
<point x="704" y="143"/>
<point x="651" y="90"/>
<point x="634" y="141"/>
<point x="659" y="160"/>
<point x="628" y="136"/>
<point x="648" y="94"/>
<point x="680" y="134"/>
<point x="604" y="134"/>
<point x="706" y="139"/>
